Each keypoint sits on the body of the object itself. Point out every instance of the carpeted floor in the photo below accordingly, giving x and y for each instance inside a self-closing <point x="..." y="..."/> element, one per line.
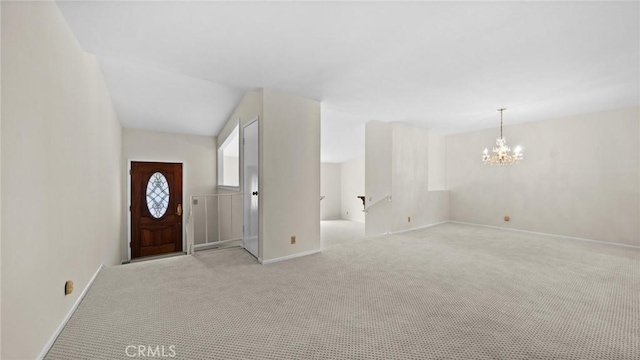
<point x="337" y="232"/>
<point x="447" y="292"/>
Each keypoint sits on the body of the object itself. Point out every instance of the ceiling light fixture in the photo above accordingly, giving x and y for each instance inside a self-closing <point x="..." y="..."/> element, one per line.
<point x="502" y="154"/>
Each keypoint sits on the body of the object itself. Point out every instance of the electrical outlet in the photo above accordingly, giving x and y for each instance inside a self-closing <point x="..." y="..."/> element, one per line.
<point x="68" y="287"/>
<point x="293" y="239"/>
<point x="408" y="218"/>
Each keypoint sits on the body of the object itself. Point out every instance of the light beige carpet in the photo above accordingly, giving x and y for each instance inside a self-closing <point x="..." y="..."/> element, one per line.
<point x="447" y="292"/>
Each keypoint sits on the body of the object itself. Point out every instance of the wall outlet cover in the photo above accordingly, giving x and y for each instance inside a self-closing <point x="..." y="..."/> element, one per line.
<point x="68" y="287"/>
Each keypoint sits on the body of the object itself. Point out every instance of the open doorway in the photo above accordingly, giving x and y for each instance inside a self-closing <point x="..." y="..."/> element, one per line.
<point x="342" y="185"/>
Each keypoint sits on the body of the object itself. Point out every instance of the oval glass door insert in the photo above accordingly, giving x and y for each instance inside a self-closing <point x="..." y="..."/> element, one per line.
<point x="157" y="195"/>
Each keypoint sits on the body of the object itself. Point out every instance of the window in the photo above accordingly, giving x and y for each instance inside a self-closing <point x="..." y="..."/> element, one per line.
<point x="229" y="160"/>
<point x="157" y="195"/>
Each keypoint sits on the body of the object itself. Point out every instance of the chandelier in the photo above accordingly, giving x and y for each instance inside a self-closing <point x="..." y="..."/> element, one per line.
<point x="502" y="154"/>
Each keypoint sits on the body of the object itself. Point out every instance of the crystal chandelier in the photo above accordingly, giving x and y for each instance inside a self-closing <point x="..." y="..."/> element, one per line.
<point x="502" y="154"/>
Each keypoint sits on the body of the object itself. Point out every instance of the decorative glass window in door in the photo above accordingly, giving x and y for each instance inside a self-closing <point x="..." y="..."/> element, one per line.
<point x="157" y="195"/>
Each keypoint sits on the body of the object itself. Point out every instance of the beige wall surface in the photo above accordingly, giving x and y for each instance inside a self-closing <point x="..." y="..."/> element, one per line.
<point x="437" y="162"/>
<point x="0" y="199"/>
<point x="352" y="187"/>
<point x="397" y="164"/>
<point x="61" y="174"/>
<point x="410" y="181"/>
<point x="248" y="109"/>
<point x="378" y="145"/>
<point x="198" y="155"/>
<point x="331" y="189"/>
<point x="289" y="175"/>
<point x="231" y="170"/>
<point x="579" y="177"/>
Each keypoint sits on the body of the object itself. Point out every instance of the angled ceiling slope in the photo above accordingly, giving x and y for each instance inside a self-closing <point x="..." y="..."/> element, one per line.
<point x="446" y="66"/>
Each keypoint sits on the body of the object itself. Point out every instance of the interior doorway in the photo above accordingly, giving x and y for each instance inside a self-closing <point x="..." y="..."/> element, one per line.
<point x="156" y="208"/>
<point x="250" y="237"/>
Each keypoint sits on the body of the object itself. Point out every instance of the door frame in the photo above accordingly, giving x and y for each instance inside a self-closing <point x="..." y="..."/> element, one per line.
<point x="245" y="125"/>
<point x="128" y="204"/>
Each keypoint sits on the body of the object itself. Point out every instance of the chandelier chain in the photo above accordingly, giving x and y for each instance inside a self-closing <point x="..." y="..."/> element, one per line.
<point x="501" y="110"/>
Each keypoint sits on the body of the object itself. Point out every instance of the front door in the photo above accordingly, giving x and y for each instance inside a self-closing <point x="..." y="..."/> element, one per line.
<point x="156" y="208"/>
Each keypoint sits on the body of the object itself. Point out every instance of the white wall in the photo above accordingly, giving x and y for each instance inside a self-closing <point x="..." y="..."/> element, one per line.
<point x="231" y="170"/>
<point x="331" y="189"/>
<point x="0" y="199"/>
<point x="61" y="174"/>
<point x="397" y="164"/>
<point x="352" y="181"/>
<point x="248" y="109"/>
<point x="410" y="181"/>
<point x="197" y="153"/>
<point x="378" y="142"/>
<point x="289" y="175"/>
<point x="437" y="162"/>
<point x="579" y="177"/>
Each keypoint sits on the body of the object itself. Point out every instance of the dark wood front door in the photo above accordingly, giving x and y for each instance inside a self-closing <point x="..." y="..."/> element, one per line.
<point x="156" y="208"/>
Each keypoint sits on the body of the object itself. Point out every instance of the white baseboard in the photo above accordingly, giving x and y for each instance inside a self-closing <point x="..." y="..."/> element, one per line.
<point x="418" y="228"/>
<point x="288" y="257"/>
<point x="354" y="220"/>
<point x="545" y="234"/>
<point x="55" y="335"/>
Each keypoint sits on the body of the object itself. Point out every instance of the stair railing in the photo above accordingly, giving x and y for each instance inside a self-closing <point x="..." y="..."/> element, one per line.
<point x="366" y="209"/>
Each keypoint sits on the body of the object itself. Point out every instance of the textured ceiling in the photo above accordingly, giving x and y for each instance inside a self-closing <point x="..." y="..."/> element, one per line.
<point x="182" y="66"/>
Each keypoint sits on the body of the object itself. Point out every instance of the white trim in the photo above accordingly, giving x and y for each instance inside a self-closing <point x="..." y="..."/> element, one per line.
<point x="546" y="234"/>
<point x="289" y="257"/>
<point x="417" y="228"/>
<point x="128" y="204"/>
<point x="55" y="335"/>
<point x="206" y="246"/>
<point x="354" y="220"/>
<point x="333" y="218"/>
<point x="227" y="187"/>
